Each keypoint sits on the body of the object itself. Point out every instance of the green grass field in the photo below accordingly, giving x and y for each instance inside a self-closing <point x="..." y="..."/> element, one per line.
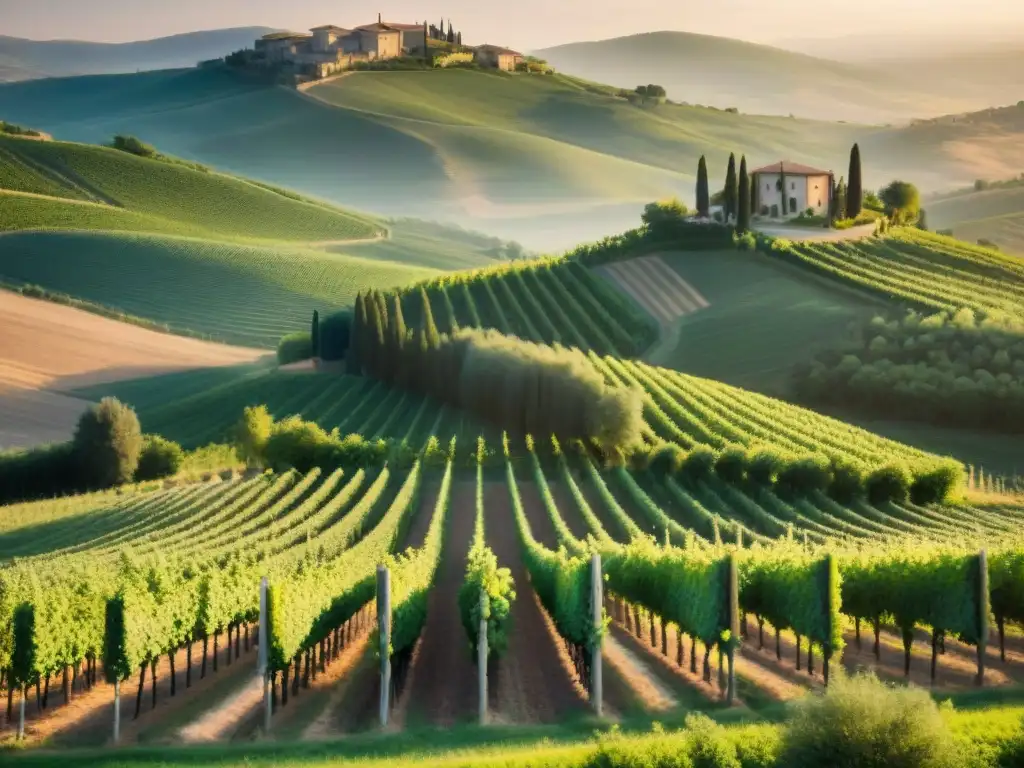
<point x="244" y="294"/>
<point x="762" y="319"/>
<point x="175" y="199"/>
<point x="996" y="215"/>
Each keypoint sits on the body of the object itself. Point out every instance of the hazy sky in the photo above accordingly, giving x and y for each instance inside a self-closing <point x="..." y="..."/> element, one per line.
<point x="526" y="24"/>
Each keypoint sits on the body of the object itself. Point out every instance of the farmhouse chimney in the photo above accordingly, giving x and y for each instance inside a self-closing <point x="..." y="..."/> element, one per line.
<point x="378" y="18"/>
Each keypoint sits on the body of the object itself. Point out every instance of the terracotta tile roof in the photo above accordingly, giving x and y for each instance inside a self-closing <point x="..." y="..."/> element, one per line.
<point x="405" y="27"/>
<point x="330" y="28"/>
<point x="285" y="36"/>
<point x="792" y="169"/>
<point x="378" y="27"/>
<point x="497" y="49"/>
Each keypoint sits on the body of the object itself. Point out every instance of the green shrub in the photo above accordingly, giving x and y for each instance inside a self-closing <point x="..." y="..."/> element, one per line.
<point x="847" y="481"/>
<point x="731" y="464"/>
<point x="335" y="332"/>
<point x="159" y="458"/>
<point x="295" y="347"/>
<point x="38" y="473"/>
<point x="764" y="465"/>
<point x="107" y="444"/>
<point x="935" y="484"/>
<point x="252" y="434"/>
<point x="698" y="464"/>
<point x="890" y="482"/>
<point x="804" y="475"/>
<point x="709" y="743"/>
<point x="298" y="444"/>
<point x="666" y="459"/>
<point x="133" y="146"/>
<point x="862" y="723"/>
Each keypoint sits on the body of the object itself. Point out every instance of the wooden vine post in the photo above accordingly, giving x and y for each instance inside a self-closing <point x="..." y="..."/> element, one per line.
<point x="733" y="586"/>
<point x="262" y="663"/>
<point x="117" y="710"/>
<point x="831" y="572"/>
<point x="481" y="655"/>
<point x="597" y="602"/>
<point x="983" y="606"/>
<point x="384" y="630"/>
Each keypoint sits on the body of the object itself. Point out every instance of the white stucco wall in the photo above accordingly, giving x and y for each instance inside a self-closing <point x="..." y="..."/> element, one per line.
<point x="806" y="191"/>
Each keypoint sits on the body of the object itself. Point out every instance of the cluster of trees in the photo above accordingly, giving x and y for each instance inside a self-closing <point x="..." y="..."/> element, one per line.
<point x="16" y="130"/>
<point x="108" y="449"/>
<point x="439" y="33"/>
<point x="523" y="387"/>
<point x="654" y="92"/>
<point x="736" y="197"/>
<point x="133" y="146"/>
<point x="946" y="368"/>
<point x="326" y="339"/>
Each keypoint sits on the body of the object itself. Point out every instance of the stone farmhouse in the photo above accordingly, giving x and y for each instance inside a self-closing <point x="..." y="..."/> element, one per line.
<point x="786" y="189"/>
<point x="329" y="49"/>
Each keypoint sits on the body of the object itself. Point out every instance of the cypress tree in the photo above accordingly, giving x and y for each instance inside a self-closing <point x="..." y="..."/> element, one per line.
<point x="731" y="193"/>
<point x="703" y="196"/>
<point x="743" y="215"/>
<point x="357" y="337"/>
<point x="382" y="311"/>
<point x="375" y="341"/>
<point x="429" y="326"/>
<point x="396" y="341"/>
<point x="841" y="200"/>
<point x="854" y="187"/>
<point x="426" y="44"/>
<point x="314" y="334"/>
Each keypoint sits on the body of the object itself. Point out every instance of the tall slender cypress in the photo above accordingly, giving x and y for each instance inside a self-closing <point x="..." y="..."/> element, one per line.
<point x="854" y="187"/>
<point x="731" y="192"/>
<point x="314" y="334"/>
<point x="357" y="338"/>
<point x="703" y="196"/>
<point x="427" y="321"/>
<point x="426" y="44"/>
<point x="743" y="216"/>
<point x="396" y="341"/>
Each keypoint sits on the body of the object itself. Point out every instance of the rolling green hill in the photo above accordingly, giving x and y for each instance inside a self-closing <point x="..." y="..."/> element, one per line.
<point x="161" y="196"/>
<point x="722" y="72"/>
<point x="994" y="214"/>
<point x="24" y="59"/>
<point x="197" y="250"/>
<point x="547" y="160"/>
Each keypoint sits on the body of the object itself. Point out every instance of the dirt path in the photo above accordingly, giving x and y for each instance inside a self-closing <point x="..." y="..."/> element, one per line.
<point x="654" y="695"/>
<point x="47" y="349"/>
<point x="220" y="721"/>
<point x="88" y="719"/>
<point x="442" y="683"/>
<point x="533" y="682"/>
<point x="342" y="681"/>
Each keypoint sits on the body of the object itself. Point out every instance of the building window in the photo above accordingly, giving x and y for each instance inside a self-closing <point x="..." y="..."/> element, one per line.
<point x="792" y="204"/>
<point x="792" y="185"/>
<point x="819" y="203"/>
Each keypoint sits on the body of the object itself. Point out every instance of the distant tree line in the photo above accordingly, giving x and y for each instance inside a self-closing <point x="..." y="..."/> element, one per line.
<point x="108" y="449"/>
<point x="522" y="387"/>
<point x="438" y="33"/>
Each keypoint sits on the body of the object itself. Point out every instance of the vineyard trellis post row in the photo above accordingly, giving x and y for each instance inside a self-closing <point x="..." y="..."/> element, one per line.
<point x="733" y="587"/>
<point x="983" y="610"/>
<point x="597" y="602"/>
<point x="481" y="655"/>
<point x="384" y="627"/>
<point x="262" y="665"/>
<point x="21" y="713"/>
<point x="117" y="710"/>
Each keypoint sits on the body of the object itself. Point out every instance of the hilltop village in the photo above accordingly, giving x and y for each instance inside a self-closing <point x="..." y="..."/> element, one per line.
<point x="329" y="49"/>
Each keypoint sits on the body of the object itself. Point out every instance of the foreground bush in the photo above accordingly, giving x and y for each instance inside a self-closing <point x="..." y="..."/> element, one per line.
<point x="295" y="347"/>
<point x="159" y="458"/>
<point x="107" y="444"/>
<point x="863" y="723"/>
